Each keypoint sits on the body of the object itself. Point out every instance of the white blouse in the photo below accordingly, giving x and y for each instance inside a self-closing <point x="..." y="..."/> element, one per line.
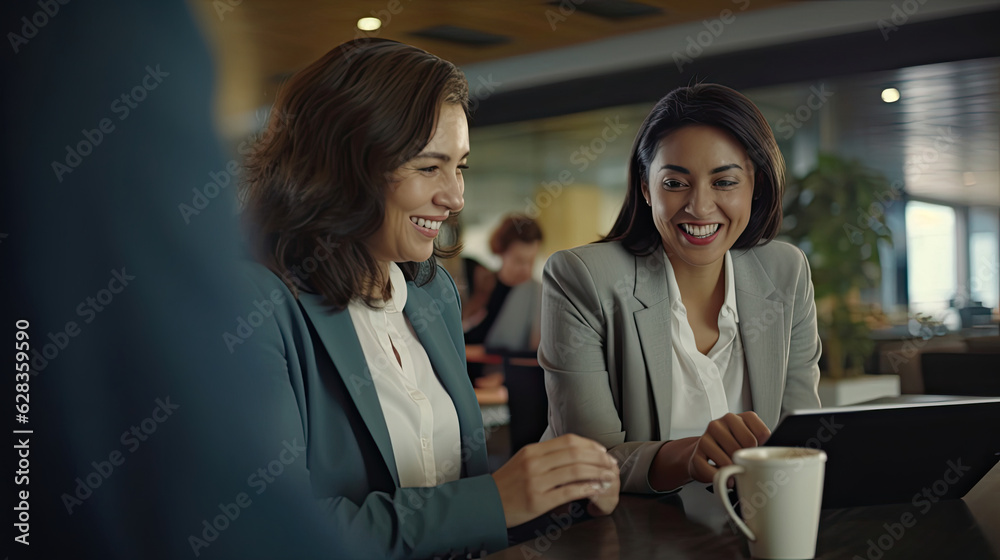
<point x="423" y="425"/>
<point x="705" y="387"/>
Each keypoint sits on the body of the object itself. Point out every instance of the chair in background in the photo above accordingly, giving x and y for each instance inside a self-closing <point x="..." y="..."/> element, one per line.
<point x="526" y="399"/>
<point x="983" y="344"/>
<point x="901" y="356"/>
<point x="968" y="374"/>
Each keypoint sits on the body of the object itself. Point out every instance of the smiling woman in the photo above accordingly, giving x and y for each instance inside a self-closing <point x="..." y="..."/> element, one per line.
<point x="324" y="177"/>
<point x="700" y="212"/>
<point x="424" y="191"/>
<point x="642" y="333"/>
<point x="365" y="336"/>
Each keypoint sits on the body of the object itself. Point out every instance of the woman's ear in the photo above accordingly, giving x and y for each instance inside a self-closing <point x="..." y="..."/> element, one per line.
<point x="644" y="186"/>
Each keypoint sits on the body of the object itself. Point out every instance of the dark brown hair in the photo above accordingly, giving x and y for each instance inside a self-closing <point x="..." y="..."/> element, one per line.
<point x="315" y="184"/>
<point x="514" y="227"/>
<point x="721" y="107"/>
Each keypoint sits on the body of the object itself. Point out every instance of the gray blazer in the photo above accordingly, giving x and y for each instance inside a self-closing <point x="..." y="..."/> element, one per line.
<point x="605" y="344"/>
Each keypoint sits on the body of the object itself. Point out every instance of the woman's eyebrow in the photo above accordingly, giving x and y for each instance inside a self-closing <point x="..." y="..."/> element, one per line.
<point x="438" y="155"/>
<point x="725" y="167"/>
<point x="685" y="171"/>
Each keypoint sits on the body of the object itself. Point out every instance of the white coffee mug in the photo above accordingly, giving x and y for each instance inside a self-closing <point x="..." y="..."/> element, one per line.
<point x="780" y="491"/>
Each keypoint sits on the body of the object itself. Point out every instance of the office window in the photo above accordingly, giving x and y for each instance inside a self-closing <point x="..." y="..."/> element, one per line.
<point x="931" y="257"/>
<point x="984" y="256"/>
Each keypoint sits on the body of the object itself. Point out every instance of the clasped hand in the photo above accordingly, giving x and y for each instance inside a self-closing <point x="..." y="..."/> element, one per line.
<point x="543" y="476"/>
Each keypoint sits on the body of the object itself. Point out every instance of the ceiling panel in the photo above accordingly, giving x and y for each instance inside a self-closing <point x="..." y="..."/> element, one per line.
<point x="259" y="42"/>
<point x="942" y="138"/>
<point x="291" y="33"/>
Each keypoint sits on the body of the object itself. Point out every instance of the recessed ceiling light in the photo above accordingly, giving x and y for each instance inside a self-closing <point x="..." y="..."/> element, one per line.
<point x="369" y="23"/>
<point x="969" y="178"/>
<point x="890" y="95"/>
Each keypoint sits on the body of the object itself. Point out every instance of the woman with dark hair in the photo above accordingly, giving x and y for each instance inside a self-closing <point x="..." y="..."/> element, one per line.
<point x="345" y="193"/>
<point x="684" y="334"/>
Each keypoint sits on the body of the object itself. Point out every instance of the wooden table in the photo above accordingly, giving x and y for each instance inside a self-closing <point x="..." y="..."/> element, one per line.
<point x="692" y="524"/>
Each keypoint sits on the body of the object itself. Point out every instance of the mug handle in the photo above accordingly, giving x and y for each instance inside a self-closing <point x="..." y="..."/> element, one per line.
<point x="721" y="478"/>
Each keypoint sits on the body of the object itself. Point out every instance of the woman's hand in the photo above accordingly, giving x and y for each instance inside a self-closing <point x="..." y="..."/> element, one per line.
<point x="605" y="502"/>
<point x="543" y="476"/>
<point x="681" y="460"/>
<point x="724" y="437"/>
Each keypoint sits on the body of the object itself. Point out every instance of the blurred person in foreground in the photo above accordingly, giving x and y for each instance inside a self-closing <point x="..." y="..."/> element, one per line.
<point x="683" y="335"/>
<point x="147" y="433"/>
<point x="344" y="207"/>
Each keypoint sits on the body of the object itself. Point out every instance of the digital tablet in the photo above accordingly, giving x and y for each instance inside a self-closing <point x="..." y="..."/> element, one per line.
<point x="914" y="452"/>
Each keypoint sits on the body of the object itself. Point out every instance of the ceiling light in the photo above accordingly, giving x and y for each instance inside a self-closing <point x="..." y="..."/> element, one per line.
<point x="969" y="179"/>
<point x="890" y="95"/>
<point x="369" y="23"/>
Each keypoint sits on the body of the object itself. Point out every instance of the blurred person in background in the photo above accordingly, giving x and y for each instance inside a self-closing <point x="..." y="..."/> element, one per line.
<point x="686" y="332"/>
<point x="503" y="311"/>
<point x="344" y="208"/>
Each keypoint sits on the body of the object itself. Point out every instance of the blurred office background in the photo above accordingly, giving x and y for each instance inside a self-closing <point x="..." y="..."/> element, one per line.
<point x="886" y="112"/>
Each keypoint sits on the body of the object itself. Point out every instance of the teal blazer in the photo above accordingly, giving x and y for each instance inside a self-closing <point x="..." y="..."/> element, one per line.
<point x="325" y="397"/>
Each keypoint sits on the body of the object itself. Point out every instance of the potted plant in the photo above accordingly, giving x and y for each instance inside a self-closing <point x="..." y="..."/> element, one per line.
<point x="836" y="214"/>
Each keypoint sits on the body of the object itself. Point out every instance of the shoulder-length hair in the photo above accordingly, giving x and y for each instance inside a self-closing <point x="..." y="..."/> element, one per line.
<point x="721" y="107"/>
<point x="315" y="183"/>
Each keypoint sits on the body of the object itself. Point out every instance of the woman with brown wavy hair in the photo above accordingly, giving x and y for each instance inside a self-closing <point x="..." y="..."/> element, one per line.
<point x="345" y="194"/>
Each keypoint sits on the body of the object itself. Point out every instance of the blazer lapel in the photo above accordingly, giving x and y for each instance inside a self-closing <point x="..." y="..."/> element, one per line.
<point x="450" y="368"/>
<point x="653" y="326"/>
<point x="762" y="328"/>
<point x="336" y="330"/>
